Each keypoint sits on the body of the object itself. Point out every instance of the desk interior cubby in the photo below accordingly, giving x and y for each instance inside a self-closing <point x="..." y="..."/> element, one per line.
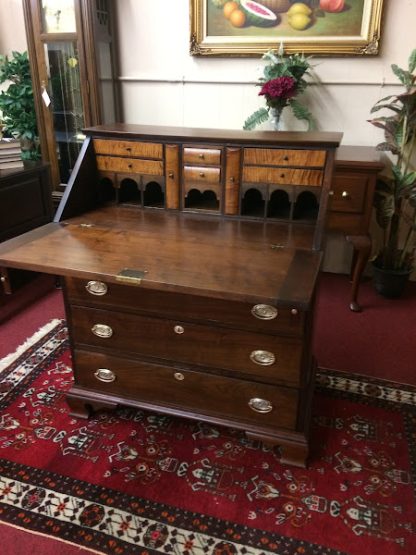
<point x="132" y="189"/>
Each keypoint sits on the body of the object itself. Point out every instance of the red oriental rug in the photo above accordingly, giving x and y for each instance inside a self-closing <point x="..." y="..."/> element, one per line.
<point x="130" y="481"/>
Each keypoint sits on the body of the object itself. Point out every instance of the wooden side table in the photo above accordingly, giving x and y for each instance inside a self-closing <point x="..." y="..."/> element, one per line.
<point x="351" y="201"/>
<point x="25" y="203"/>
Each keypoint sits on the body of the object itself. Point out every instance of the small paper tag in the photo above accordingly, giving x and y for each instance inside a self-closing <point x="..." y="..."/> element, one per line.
<point x="46" y="97"/>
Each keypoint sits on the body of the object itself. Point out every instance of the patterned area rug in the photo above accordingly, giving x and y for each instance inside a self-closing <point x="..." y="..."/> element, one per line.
<point x="130" y="482"/>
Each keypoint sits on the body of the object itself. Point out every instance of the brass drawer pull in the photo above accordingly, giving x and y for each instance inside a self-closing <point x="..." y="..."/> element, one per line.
<point x="260" y="405"/>
<point x="264" y="312"/>
<point x="179" y="376"/>
<point x="345" y="194"/>
<point x="97" y="288"/>
<point x="179" y="329"/>
<point x="105" y="375"/>
<point x="263" y="358"/>
<point x="171" y="175"/>
<point x="202" y="156"/>
<point x="102" y="330"/>
<point x="201" y="174"/>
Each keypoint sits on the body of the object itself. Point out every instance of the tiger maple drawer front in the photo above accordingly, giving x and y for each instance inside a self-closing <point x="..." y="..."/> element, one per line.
<point x="201" y="156"/>
<point x="256" y="317"/>
<point x="283" y="176"/>
<point x="266" y="357"/>
<point x="187" y="390"/>
<point x="128" y="148"/>
<point x="282" y="157"/>
<point x="348" y="193"/>
<point x="129" y="165"/>
<point x="201" y="174"/>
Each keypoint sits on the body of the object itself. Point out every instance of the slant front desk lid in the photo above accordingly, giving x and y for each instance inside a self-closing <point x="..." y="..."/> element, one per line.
<point x="246" y="261"/>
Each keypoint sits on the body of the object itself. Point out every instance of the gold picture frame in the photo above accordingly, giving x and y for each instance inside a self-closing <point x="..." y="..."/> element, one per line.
<point x="353" y="30"/>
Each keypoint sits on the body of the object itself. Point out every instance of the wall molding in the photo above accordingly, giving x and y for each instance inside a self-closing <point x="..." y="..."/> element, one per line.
<point x="196" y="81"/>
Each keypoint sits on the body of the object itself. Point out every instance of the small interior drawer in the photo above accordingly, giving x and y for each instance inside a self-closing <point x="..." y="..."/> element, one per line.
<point x="283" y="157"/>
<point x="283" y="176"/>
<point x="129" y="165"/>
<point x="201" y="174"/>
<point x="128" y="148"/>
<point x="187" y="390"/>
<point x="202" y="156"/>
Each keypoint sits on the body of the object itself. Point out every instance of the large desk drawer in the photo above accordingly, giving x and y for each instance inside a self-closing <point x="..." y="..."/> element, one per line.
<point x="265" y="357"/>
<point x="186" y="390"/>
<point x="258" y="318"/>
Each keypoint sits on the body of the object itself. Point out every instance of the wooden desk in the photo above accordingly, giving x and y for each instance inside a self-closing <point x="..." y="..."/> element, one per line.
<point x="190" y="260"/>
<point x="350" y="206"/>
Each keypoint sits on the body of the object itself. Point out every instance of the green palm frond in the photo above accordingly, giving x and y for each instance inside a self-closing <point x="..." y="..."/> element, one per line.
<point x="257" y="118"/>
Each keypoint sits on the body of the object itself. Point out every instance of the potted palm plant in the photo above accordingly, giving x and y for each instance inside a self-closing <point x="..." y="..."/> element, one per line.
<point x="395" y="198"/>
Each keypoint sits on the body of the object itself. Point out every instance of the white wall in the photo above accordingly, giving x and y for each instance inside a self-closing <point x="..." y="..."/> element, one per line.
<point x="12" y="27"/>
<point x="162" y="84"/>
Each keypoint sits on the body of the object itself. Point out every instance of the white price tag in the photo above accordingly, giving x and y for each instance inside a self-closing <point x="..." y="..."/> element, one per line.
<point x="46" y="97"/>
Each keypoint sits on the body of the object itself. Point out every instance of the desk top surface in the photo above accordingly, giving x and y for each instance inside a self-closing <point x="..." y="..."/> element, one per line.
<point x="249" y="261"/>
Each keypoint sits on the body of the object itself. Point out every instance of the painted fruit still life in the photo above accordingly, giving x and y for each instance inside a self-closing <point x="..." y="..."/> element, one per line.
<point x="284" y="18"/>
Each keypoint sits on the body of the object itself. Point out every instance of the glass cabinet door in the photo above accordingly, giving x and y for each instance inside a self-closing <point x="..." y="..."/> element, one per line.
<point x="71" y="52"/>
<point x="64" y="90"/>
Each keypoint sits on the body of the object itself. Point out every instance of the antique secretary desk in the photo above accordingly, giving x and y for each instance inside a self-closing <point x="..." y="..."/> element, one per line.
<point x="189" y="260"/>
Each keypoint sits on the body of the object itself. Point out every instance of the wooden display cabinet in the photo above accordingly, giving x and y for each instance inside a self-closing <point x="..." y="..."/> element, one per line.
<point x="180" y="296"/>
<point x="73" y="64"/>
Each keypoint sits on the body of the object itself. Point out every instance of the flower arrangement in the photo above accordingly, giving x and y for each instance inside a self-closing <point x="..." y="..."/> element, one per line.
<point x="283" y="80"/>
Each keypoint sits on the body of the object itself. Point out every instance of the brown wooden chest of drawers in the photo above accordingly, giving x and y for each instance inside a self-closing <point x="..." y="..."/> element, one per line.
<point x="190" y="260"/>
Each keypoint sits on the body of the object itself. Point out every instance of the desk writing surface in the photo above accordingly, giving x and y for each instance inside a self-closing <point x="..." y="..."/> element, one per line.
<point x="238" y="260"/>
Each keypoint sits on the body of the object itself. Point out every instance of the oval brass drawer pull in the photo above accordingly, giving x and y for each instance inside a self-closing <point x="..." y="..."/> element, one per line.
<point x="264" y="358"/>
<point x="264" y="311"/>
<point x="179" y="376"/>
<point x="105" y="375"/>
<point x="260" y="405"/>
<point x="179" y="329"/>
<point x="102" y="330"/>
<point x="97" y="288"/>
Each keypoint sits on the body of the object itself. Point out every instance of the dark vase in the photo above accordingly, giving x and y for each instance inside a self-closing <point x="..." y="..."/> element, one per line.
<point x="390" y="283"/>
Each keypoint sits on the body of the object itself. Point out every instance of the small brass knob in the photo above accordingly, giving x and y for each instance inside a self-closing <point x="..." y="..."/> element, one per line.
<point x="282" y="175"/>
<point x="345" y="194"/>
<point x="179" y="376"/>
<point x="331" y="193"/>
<point x="294" y="311"/>
<point x="201" y="156"/>
<point x="3" y="279"/>
<point x="260" y="405"/>
<point x="130" y="166"/>
<point x="264" y="312"/>
<point x="201" y="174"/>
<point x="171" y="175"/>
<point x="102" y="330"/>
<point x="285" y="158"/>
<point x="128" y="148"/>
<point x="232" y="179"/>
<point x="105" y="375"/>
<point x="263" y="358"/>
<point x="179" y="329"/>
<point x="97" y="288"/>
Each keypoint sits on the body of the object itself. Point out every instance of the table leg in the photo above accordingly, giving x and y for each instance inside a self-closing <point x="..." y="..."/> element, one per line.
<point x="362" y="248"/>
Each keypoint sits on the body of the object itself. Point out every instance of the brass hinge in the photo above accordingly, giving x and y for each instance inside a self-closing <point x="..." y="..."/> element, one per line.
<point x="134" y="277"/>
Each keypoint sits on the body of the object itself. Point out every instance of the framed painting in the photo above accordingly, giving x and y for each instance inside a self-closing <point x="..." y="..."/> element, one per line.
<point x="251" y="27"/>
